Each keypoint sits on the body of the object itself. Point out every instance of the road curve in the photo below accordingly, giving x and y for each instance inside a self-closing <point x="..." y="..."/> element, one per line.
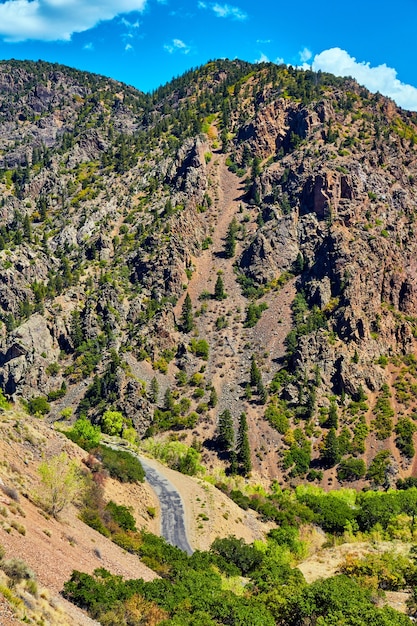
<point x="172" y="509"/>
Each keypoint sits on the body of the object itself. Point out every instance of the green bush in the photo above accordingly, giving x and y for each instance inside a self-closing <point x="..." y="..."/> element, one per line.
<point x="405" y="430"/>
<point x="84" y="434"/>
<point x="38" y="405"/>
<point x="91" y="517"/>
<point x="121" y="515"/>
<point x="246" y="557"/>
<point x="351" y="469"/>
<point x="254" y="313"/>
<point x="339" y="600"/>
<point x="121" y="465"/>
<point x="277" y="419"/>
<point x="384" y="413"/>
<point x="200" y="348"/>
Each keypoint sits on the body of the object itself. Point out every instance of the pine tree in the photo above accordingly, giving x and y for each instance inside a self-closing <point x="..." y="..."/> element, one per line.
<point x="234" y="466"/>
<point x="332" y="421"/>
<point x="187" y="315"/>
<point x="219" y="292"/>
<point x="213" y="398"/>
<point x="243" y="448"/>
<point x="153" y="396"/>
<point x="255" y="374"/>
<point x="230" y="247"/>
<point x="331" y="453"/>
<point x="27" y="228"/>
<point x="226" y="436"/>
<point x="168" y="400"/>
<point x="262" y="392"/>
<point x="298" y="265"/>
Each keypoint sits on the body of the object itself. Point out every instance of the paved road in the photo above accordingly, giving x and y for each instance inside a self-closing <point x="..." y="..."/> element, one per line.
<point x="172" y="510"/>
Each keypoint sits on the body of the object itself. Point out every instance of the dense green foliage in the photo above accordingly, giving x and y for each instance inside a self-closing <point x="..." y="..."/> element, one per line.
<point x="121" y="465"/>
<point x="85" y="434"/>
<point x="175" y="454"/>
<point x="191" y="589"/>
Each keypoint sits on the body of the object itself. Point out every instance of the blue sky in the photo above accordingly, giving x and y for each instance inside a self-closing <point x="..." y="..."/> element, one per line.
<point x="146" y="42"/>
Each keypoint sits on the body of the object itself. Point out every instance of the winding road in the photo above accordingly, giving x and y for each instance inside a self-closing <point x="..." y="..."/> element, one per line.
<point x="172" y="508"/>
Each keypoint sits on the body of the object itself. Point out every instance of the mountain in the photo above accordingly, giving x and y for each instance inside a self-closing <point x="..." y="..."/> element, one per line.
<point x="239" y="241"/>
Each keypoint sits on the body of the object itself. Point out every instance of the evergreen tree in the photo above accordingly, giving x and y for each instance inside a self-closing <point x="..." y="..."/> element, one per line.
<point x="226" y="436"/>
<point x="331" y="454"/>
<point x="310" y="402"/>
<point x="230" y="247"/>
<point x="187" y="315"/>
<point x="262" y="392"/>
<point x="213" y="398"/>
<point x="243" y="448"/>
<point x="168" y="400"/>
<point x="234" y="466"/>
<point x="298" y="265"/>
<point x="255" y="374"/>
<point x="77" y="333"/>
<point x="27" y="228"/>
<point x="153" y="396"/>
<point x="332" y="421"/>
<point x="219" y="292"/>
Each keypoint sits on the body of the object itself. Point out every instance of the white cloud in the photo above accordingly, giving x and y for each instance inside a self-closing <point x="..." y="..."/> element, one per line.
<point x="224" y="10"/>
<point x="262" y="59"/>
<point x="89" y="46"/>
<point x="128" y="47"/>
<point x="305" y="55"/>
<point x="177" y="45"/>
<point x="130" y="25"/>
<point x="263" y="41"/>
<point x="53" y="20"/>
<point x="380" y="78"/>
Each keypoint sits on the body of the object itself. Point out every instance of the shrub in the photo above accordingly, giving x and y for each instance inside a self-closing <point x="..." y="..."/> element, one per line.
<point x="61" y="481"/>
<point x="84" y="434"/>
<point x="200" y="348"/>
<point x="121" y="465"/>
<point x="17" y="570"/>
<point x="351" y="469"/>
<point x="253" y="313"/>
<point x="121" y="515"/>
<point x="38" y="406"/>
<point x="277" y="419"/>
<point x="4" y="405"/>
<point x="377" y="471"/>
<point x="405" y="430"/>
<point x="384" y="413"/>
<point x="245" y="557"/>
<point x="112" y="422"/>
<point x="91" y="517"/>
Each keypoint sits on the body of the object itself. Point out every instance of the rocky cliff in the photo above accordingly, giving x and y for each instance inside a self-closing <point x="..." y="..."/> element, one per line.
<point x="297" y="190"/>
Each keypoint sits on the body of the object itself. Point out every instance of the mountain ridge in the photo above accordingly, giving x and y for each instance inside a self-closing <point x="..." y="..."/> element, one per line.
<point x="110" y="198"/>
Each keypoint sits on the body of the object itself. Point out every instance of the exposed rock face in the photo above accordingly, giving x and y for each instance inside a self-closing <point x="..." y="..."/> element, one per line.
<point x="350" y="212"/>
<point x="28" y="351"/>
<point x="273" y="250"/>
<point x="110" y="199"/>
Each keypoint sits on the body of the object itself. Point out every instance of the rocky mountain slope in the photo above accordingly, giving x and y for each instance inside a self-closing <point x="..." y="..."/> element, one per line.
<point x="48" y="549"/>
<point x="282" y="202"/>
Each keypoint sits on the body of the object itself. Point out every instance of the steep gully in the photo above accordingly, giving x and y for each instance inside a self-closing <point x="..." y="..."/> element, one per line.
<point x="231" y="347"/>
